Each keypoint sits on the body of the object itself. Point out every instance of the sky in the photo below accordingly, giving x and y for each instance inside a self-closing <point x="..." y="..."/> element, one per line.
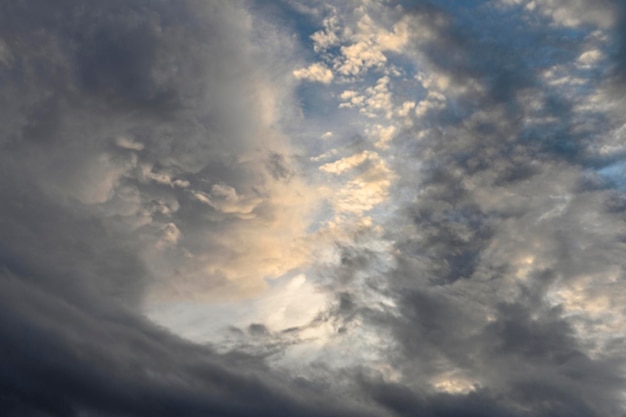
<point x="385" y="208"/>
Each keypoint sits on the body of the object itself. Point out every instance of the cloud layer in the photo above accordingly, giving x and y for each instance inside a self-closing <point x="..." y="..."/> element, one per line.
<point x="312" y="208"/>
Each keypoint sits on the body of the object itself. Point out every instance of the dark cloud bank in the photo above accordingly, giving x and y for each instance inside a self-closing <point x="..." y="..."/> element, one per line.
<point x="73" y="342"/>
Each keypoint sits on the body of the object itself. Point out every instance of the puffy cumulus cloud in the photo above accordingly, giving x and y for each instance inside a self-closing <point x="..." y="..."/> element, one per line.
<point x="365" y="47"/>
<point x="344" y="164"/>
<point x="433" y="101"/>
<point x="366" y="188"/>
<point x="383" y="134"/>
<point x="315" y="72"/>
<point x="327" y="37"/>
<point x="360" y="56"/>
<point x="373" y="101"/>
<point x="406" y="107"/>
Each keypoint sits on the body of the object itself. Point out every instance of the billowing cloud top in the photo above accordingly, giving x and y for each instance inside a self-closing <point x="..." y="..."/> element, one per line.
<point x="307" y="208"/>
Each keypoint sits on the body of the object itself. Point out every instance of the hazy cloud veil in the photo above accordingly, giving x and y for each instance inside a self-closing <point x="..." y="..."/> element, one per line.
<point x="309" y="208"/>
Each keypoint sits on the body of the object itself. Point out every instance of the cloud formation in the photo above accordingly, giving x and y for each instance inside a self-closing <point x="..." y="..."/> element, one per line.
<point x="363" y="208"/>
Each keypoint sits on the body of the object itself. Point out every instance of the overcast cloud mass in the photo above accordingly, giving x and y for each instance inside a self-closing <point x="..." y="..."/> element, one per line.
<point x="313" y="208"/>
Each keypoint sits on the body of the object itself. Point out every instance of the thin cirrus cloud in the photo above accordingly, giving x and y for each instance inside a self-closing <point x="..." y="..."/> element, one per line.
<point x="312" y="208"/>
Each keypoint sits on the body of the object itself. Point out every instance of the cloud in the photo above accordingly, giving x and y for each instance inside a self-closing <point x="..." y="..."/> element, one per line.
<point x="502" y="255"/>
<point x="453" y="246"/>
<point x="573" y="13"/>
<point x="120" y="114"/>
<point x="344" y="164"/>
<point x="324" y="39"/>
<point x="316" y="72"/>
<point x="366" y="47"/>
<point x="372" y="102"/>
<point x="76" y="375"/>
<point x="128" y="143"/>
<point x="225" y="199"/>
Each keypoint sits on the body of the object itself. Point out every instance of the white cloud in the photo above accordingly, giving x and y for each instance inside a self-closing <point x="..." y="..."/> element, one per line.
<point x="326" y="38"/>
<point x="373" y="101"/>
<point x="316" y="72"/>
<point x="367" y="188"/>
<point x="382" y="135"/>
<point x="351" y="99"/>
<point x="358" y="57"/>
<point x="347" y="163"/>
<point x="364" y="49"/>
<point x="406" y="108"/>
<point x="590" y="57"/>
<point x="379" y="99"/>
<point x="433" y="101"/>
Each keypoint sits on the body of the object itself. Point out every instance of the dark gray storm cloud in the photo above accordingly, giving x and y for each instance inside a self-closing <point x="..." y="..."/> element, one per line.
<point x="90" y="92"/>
<point x="139" y="143"/>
